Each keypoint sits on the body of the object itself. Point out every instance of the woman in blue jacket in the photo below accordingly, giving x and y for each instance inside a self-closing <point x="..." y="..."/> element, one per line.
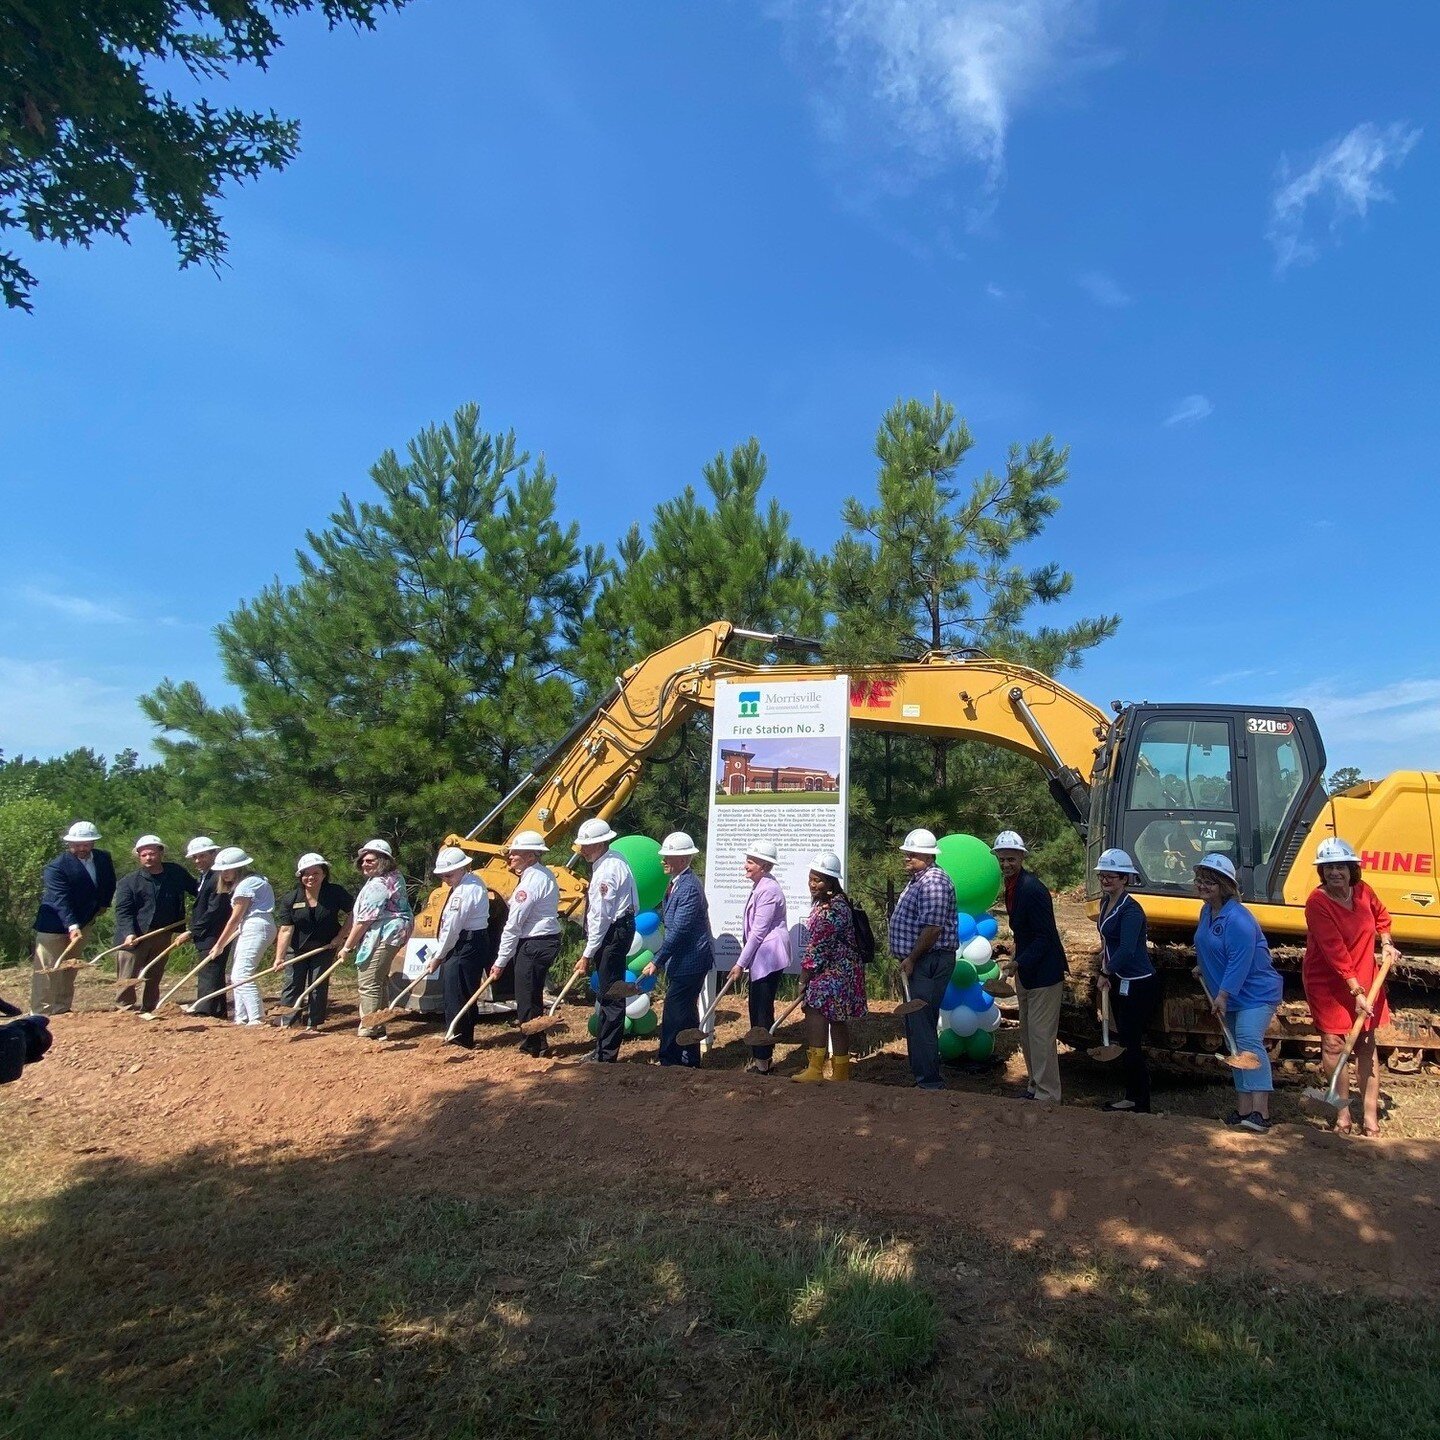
<point x="1237" y="970"/>
<point x="1127" y="972"/>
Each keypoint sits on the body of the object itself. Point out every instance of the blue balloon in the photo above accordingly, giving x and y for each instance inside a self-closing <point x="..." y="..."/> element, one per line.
<point x="988" y="926"/>
<point x="647" y="922"/>
<point x="974" y="997"/>
<point x="595" y="983"/>
<point x="966" y="927"/>
<point x="954" y="996"/>
<point x="645" y="983"/>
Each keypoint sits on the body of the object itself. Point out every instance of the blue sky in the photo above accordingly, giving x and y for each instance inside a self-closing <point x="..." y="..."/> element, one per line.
<point x="1196" y="243"/>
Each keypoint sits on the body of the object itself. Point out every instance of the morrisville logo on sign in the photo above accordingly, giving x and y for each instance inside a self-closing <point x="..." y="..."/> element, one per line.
<point x="749" y="703"/>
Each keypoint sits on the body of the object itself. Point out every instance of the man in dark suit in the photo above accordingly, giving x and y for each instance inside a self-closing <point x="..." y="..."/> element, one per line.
<point x="1039" y="966"/>
<point x="686" y="954"/>
<point x="78" y="885"/>
<point x="149" y="898"/>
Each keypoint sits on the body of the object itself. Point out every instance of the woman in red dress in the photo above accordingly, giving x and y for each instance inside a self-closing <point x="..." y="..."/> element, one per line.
<point x="1343" y="916"/>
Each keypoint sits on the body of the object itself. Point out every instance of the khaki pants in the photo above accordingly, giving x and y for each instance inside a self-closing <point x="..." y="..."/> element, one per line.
<point x="1039" y="1024"/>
<point x="129" y="963"/>
<point x="374" y="982"/>
<point x="52" y="994"/>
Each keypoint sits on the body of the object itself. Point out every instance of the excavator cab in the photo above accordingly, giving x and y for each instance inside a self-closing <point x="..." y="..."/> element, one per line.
<point x="1174" y="783"/>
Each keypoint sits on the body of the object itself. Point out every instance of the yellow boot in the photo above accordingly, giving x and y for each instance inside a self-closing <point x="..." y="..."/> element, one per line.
<point x="815" y="1070"/>
<point x="839" y="1067"/>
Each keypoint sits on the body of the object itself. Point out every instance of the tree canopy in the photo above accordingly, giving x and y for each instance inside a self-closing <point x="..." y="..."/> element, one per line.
<point x="92" y="134"/>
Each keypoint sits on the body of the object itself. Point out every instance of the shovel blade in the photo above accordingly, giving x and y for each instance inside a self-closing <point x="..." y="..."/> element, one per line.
<point x="1321" y="1103"/>
<point x="622" y="990"/>
<point x="698" y="1037"/>
<point x="909" y="1007"/>
<point x="1106" y="1053"/>
<point x="285" y="1012"/>
<point x="1243" y="1061"/>
<point x="758" y="1036"/>
<point x="541" y="1024"/>
<point x="1000" y="989"/>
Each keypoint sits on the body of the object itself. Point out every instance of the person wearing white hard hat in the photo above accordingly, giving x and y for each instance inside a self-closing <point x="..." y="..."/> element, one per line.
<point x="1344" y="918"/>
<point x="77" y="886"/>
<point x="250" y="928"/>
<point x="832" y="973"/>
<point x="1039" y="966"/>
<point x="463" y="948"/>
<point x="149" y="898"/>
<point x="530" y="939"/>
<point x="611" y="904"/>
<point x="924" y="937"/>
<point x="380" y="926"/>
<point x="312" y="916"/>
<point x="764" y="945"/>
<point x="687" y="951"/>
<point x="1235" y="966"/>
<point x="1127" y="972"/>
<point x="207" y="921"/>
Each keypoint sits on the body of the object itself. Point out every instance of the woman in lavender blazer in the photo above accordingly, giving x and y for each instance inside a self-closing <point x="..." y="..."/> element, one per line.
<point x="766" y="945"/>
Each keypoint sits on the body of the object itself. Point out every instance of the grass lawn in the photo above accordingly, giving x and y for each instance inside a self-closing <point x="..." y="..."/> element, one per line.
<point x="310" y="1298"/>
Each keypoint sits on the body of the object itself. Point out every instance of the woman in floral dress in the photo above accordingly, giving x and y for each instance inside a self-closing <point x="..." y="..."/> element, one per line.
<point x="831" y="971"/>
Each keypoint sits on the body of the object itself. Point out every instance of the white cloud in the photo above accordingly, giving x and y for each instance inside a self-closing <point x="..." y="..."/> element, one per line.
<point x="73" y="607"/>
<point x="995" y="292"/>
<point x="50" y="709"/>
<point x="1345" y="177"/>
<point x="1104" y="290"/>
<point x="949" y="75"/>
<point x="1190" y="410"/>
<point x="1394" y="725"/>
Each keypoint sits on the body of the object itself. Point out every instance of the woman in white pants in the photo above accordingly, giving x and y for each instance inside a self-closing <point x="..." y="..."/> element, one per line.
<point x="251" y="925"/>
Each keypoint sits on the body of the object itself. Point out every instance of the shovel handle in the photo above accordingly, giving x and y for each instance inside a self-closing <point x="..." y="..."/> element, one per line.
<point x="473" y="1000"/>
<point x="270" y="970"/>
<point x="180" y="983"/>
<point x="715" y="1004"/>
<point x="148" y="935"/>
<point x="67" y="952"/>
<point x="1105" y="1017"/>
<point x="565" y="990"/>
<point x="131" y="981"/>
<point x="1360" y="1022"/>
<point x="790" y="1011"/>
<point x="316" y="983"/>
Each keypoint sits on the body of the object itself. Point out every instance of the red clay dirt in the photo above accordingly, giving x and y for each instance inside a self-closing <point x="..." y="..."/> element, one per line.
<point x="1163" y="1190"/>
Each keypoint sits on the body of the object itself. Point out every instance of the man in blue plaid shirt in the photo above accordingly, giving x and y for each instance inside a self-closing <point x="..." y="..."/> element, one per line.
<point x="924" y="935"/>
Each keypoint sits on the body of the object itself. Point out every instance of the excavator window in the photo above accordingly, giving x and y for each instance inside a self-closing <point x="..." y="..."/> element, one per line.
<point x="1279" y="774"/>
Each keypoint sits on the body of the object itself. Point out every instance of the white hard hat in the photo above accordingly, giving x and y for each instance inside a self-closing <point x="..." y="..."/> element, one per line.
<point x="593" y="832"/>
<point x="199" y="845"/>
<point x="82" y="832"/>
<point x="1115" y="862"/>
<point x="920" y="842"/>
<point x="310" y="859"/>
<point x="232" y="857"/>
<point x="376" y="847"/>
<point x="145" y="840"/>
<point x="764" y="851"/>
<point x="1336" y="851"/>
<point x="1009" y="840"/>
<point x="827" y="862"/>
<point x="1220" y="864"/>
<point x="531" y="841"/>
<point x="676" y="844"/>
<point x="450" y="859"/>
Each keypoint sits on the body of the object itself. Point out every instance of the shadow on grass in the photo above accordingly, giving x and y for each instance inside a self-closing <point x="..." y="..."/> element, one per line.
<point x="348" y="1297"/>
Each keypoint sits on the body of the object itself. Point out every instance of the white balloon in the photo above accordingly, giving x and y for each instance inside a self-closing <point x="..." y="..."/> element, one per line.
<point x="639" y="943"/>
<point x="978" y="951"/>
<point x="990" y="1018"/>
<point x="944" y="1020"/>
<point x="963" y="1020"/>
<point x="637" y="1007"/>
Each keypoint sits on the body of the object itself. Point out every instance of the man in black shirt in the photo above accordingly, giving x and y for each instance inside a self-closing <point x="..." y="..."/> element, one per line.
<point x="148" y="899"/>
<point x="207" y="920"/>
<point x="315" y="913"/>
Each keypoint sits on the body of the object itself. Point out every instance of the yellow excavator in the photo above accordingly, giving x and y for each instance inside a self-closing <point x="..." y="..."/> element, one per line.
<point x="1168" y="783"/>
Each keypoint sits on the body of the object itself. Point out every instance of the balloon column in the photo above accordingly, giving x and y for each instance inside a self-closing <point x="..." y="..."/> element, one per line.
<point x="642" y="855"/>
<point x="969" y="1016"/>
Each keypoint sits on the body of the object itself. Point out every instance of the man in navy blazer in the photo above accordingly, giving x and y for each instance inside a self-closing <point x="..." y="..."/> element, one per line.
<point x="686" y="954"/>
<point x="78" y="885"/>
<point x="1039" y="967"/>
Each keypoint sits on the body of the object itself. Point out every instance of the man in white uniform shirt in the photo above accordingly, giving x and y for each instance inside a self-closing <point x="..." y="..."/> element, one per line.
<point x="463" y="945"/>
<point x="531" y="937"/>
<point x="610" y="907"/>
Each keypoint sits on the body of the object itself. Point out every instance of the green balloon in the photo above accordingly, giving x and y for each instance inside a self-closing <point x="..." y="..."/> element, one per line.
<point x="636" y="963"/>
<point x="593" y="1023"/>
<point x="972" y="869"/>
<point x="642" y="855"/>
<point x="647" y="1024"/>
<point x="980" y="1045"/>
<point x="963" y="975"/>
<point x="629" y="1026"/>
<point x="952" y="1046"/>
<point x="990" y="972"/>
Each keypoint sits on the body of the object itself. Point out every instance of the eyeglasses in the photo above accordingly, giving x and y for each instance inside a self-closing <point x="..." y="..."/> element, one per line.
<point x="1208" y="881"/>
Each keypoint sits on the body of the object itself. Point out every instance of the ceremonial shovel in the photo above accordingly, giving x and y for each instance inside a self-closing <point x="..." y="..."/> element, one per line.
<point x="999" y="987"/>
<point x="1327" y="1103"/>
<point x="395" y="1010"/>
<point x="1105" y="1051"/>
<point x="236" y="984"/>
<point x="68" y="964"/>
<point x="286" y="1011"/>
<point x="910" y="1007"/>
<point x="65" y="962"/>
<point x="758" y="1035"/>
<point x="703" y="1033"/>
<point x="184" y="980"/>
<point x="1236" y="1059"/>
<point x="448" y="1038"/>
<point x="551" y="1020"/>
<point x="131" y="982"/>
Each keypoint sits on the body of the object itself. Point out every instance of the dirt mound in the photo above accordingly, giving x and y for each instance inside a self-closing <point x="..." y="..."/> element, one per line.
<point x="1163" y="1190"/>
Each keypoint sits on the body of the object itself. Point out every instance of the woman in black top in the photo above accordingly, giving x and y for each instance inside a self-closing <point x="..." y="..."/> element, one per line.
<point x="315" y="913"/>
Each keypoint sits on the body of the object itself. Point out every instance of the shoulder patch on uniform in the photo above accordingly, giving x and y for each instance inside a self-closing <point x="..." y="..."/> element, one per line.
<point x="520" y="895"/>
<point x="605" y="887"/>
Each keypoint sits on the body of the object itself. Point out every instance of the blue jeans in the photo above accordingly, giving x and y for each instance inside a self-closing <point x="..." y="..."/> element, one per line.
<point x="681" y="1012"/>
<point x="1248" y="1027"/>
